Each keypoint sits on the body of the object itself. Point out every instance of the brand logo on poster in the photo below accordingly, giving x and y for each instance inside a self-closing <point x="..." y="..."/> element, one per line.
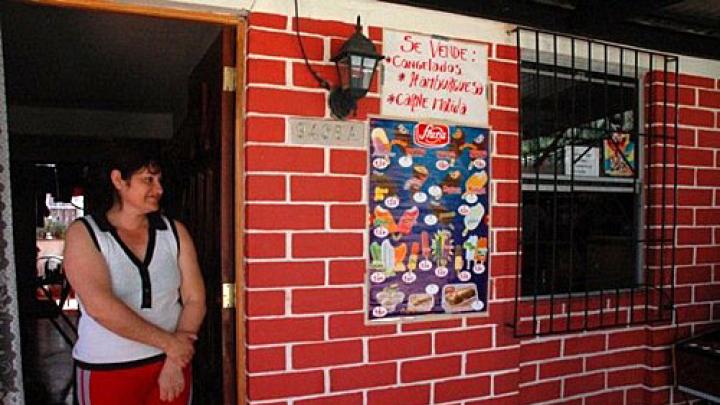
<point x="431" y="135"/>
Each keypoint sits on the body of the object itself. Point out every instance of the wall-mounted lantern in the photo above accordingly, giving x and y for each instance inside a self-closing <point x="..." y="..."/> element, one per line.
<point x="356" y="63"/>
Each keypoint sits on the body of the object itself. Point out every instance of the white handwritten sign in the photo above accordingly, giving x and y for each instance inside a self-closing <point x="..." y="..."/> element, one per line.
<point x="429" y="77"/>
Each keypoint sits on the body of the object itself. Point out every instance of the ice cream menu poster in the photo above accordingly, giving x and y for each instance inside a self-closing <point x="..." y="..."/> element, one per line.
<point x="428" y="242"/>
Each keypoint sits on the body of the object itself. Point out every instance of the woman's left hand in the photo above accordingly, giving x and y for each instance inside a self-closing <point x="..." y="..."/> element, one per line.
<point x="171" y="381"/>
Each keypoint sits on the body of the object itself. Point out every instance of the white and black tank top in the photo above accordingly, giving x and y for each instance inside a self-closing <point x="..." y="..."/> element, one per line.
<point x="150" y="287"/>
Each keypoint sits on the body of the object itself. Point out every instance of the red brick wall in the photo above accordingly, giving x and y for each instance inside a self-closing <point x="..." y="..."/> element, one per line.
<point x="307" y="342"/>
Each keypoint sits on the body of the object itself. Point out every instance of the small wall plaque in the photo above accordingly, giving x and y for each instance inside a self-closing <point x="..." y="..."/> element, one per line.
<point x="304" y="131"/>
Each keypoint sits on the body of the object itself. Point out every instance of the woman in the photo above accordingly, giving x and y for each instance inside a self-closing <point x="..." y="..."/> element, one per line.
<point x="137" y="279"/>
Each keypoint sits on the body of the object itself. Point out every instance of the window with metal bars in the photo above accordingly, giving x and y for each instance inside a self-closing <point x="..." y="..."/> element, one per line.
<point x="597" y="148"/>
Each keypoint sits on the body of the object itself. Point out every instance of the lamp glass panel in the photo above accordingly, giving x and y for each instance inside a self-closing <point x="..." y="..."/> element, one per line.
<point x="357" y="76"/>
<point x="368" y="70"/>
<point x="343" y="73"/>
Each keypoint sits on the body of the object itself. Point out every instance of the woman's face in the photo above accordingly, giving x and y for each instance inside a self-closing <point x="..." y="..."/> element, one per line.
<point x="142" y="191"/>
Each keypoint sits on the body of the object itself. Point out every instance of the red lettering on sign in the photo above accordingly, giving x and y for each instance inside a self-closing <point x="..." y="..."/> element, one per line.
<point x="447" y="50"/>
<point x="431" y="135"/>
<point x="409" y="45"/>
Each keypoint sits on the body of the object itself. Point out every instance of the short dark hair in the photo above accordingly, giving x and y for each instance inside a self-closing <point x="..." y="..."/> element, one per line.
<point x="127" y="160"/>
<point x="130" y="160"/>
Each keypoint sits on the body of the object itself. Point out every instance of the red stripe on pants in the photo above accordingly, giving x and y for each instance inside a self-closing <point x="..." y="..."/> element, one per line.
<point x="135" y="385"/>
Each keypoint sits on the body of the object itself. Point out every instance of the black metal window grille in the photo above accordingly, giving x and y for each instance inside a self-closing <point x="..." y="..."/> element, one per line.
<point x="598" y="185"/>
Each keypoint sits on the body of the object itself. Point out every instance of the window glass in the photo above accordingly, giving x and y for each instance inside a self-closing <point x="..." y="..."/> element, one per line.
<point x="580" y="230"/>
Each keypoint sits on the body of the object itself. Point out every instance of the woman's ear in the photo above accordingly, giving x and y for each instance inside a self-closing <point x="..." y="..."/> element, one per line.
<point x="116" y="178"/>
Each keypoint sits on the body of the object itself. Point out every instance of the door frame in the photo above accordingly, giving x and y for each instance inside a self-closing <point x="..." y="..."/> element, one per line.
<point x="236" y="19"/>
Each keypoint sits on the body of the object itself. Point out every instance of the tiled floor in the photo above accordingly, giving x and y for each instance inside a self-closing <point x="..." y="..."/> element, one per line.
<point x="47" y="364"/>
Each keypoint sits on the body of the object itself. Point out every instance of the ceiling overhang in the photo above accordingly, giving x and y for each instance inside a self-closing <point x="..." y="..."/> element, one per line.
<point x="687" y="27"/>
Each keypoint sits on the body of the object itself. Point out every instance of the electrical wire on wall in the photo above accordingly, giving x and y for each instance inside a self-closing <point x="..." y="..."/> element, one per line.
<point x="321" y="82"/>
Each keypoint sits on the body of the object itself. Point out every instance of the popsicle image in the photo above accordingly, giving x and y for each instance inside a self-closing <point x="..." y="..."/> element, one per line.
<point x="482" y="248"/>
<point x="473" y="218"/>
<point x="439" y="247"/>
<point x="436" y="248"/>
<point x="400" y="253"/>
<point x="448" y="244"/>
<point x="458" y="258"/>
<point x="380" y="141"/>
<point x="470" y="247"/>
<point x="388" y="257"/>
<point x="408" y="220"/>
<point x="383" y="217"/>
<point x="376" y="256"/>
<point x="412" y="261"/>
<point x="425" y="241"/>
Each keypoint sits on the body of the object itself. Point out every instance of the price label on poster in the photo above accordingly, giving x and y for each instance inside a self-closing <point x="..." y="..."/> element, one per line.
<point x="434" y="78"/>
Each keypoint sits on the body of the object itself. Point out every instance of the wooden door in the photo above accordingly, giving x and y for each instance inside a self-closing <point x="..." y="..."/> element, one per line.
<point x="202" y="196"/>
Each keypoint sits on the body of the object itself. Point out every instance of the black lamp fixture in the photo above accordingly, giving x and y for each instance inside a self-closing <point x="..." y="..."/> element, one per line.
<point x="356" y="63"/>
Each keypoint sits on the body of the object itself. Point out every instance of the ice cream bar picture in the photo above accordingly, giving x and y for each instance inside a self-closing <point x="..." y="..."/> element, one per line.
<point x="412" y="261"/>
<point x="380" y="141"/>
<point x="388" y="256"/>
<point x="425" y="240"/>
<point x="458" y="258"/>
<point x="472" y="220"/>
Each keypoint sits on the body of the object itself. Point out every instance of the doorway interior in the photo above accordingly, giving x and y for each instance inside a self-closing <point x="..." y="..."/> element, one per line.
<point x="80" y="85"/>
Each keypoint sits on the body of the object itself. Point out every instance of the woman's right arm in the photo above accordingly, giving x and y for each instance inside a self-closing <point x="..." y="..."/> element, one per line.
<point x="88" y="274"/>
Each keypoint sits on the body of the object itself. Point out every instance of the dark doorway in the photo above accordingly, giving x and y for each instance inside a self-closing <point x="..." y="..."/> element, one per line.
<point x="80" y="85"/>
